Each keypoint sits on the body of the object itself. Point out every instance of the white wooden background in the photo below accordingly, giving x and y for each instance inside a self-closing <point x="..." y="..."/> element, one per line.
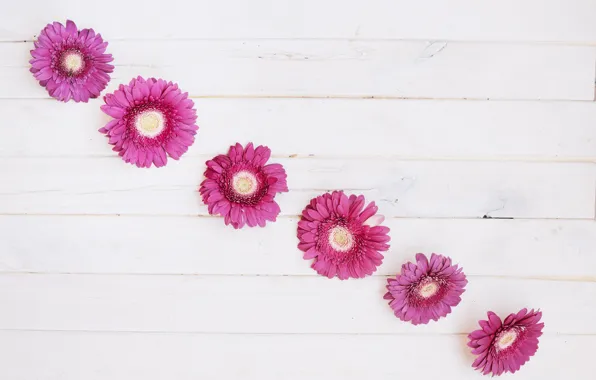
<point x="471" y="123"/>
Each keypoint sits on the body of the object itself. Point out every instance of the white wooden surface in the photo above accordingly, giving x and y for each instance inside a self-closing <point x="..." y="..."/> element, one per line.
<point x="472" y="125"/>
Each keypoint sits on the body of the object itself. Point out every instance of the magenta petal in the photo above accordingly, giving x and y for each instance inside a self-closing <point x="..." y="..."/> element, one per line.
<point x="115" y="112"/>
<point x="71" y="28"/>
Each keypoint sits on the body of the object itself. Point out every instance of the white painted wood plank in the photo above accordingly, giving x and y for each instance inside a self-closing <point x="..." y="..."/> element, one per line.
<point x="176" y="245"/>
<point x="331" y="127"/>
<point x="265" y="304"/>
<point x="418" y="69"/>
<point x="107" y="185"/>
<point x="121" y="356"/>
<point x="555" y="20"/>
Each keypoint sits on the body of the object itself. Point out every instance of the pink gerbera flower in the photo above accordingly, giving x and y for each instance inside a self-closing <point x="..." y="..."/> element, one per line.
<point x="241" y="188"/>
<point x="342" y="236"/>
<point x="426" y="290"/>
<point x="71" y="63"/>
<point x="506" y="346"/>
<point x="153" y="119"/>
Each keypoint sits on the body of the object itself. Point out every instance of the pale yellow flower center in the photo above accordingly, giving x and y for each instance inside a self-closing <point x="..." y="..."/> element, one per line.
<point x="428" y="290"/>
<point x="341" y="239"/>
<point x="73" y="62"/>
<point x="507" y="339"/>
<point x="244" y="183"/>
<point x="150" y="123"/>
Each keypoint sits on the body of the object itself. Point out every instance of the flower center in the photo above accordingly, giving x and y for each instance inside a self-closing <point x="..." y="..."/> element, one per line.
<point x="340" y="239"/>
<point x="506" y="339"/>
<point x="244" y="183"/>
<point x="428" y="290"/>
<point x="150" y="123"/>
<point x="72" y="61"/>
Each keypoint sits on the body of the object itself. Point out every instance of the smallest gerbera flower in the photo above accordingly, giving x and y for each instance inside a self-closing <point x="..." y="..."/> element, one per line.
<point x="426" y="290"/>
<point x="241" y="188"/>
<point x="71" y="63"/>
<point x="505" y="346"/>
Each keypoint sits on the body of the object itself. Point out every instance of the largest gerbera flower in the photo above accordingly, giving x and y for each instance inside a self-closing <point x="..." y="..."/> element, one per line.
<point x="506" y="346"/>
<point x="71" y="63"/>
<point x="426" y="290"/>
<point x="240" y="186"/>
<point x="342" y="236"/>
<point x="153" y="119"/>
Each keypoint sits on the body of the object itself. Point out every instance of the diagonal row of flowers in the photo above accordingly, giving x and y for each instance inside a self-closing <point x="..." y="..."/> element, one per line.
<point x="153" y="120"/>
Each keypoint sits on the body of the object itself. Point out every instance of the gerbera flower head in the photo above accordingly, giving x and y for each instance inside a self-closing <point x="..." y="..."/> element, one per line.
<point x="505" y="346"/>
<point x="342" y="236"/>
<point x="240" y="186"/>
<point x="71" y="63"/>
<point x="153" y="119"/>
<point x="426" y="290"/>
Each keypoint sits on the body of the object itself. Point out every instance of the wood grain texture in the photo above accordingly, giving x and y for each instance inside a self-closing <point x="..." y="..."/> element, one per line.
<point x="418" y="69"/>
<point x="510" y="20"/>
<point x="68" y="355"/>
<point x="331" y="127"/>
<point x="264" y="304"/>
<point x="544" y="249"/>
<point x="402" y="188"/>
